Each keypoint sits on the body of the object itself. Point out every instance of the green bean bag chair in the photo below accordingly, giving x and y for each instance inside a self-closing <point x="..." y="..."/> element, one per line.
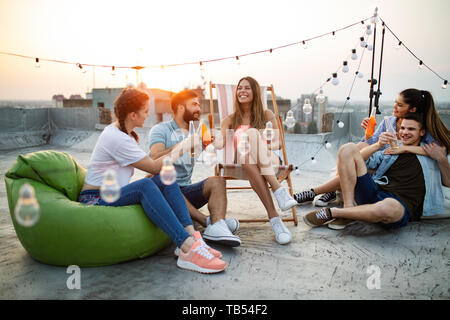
<point x="71" y="233"/>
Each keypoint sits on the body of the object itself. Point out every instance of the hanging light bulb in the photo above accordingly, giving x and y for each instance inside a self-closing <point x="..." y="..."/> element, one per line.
<point x="420" y="64"/>
<point x="37" y="65"/>
<point x="399" y="45"/>
<point x="305" y="46"/>
<point x="320" y="98"/>
<point x="333" y="35"/>
<point x="313" y="160"/>
<point x="27" y="212"/>
<point x="238" y="63"/>
<point x="192" y="132"/>
<point x="369" y="47"/>
<point x="268" y="132"/>
<point x="307" y="108"/>
<point x="354" y="55"/>
<point x="113" y="70"/>
<point x="202" y="67"/>
<point x="374" y="19"/>
<point x="210" y="157"/>
<point x="345" y="68"/>
<point x="168" y="174"/>
<point x="444" y="85"/>
<point x="340" y="124"/>
<point x="335" y="80"/>
<point x="363" y="43"/>
<point x="360" y="74"/>
<point x="110" y="189"/>
<point x="290" y="120"/>
<point x="80" y="66"/>
<point x="243" y="146"/>
<point x="327" y="145"/>
<point x="369" y="29"/>
<point x="297" y="171"/>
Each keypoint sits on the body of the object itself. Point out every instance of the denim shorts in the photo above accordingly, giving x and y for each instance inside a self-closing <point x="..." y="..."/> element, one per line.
<point x="194" y="194"/>
<point x="367" y="192"/>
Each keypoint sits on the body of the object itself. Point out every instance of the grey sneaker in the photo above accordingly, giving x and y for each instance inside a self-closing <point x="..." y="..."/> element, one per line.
<point x="219" y="233"/>
<point x="284" y="199"/>
<point x="325" y="199"/>
<point x="282" y="234"/>
<point x="304" y="197"/>
<point x="232" y="224"/>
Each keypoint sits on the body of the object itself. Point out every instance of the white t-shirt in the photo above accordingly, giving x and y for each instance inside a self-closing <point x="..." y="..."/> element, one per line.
<point x="114" y="150"/>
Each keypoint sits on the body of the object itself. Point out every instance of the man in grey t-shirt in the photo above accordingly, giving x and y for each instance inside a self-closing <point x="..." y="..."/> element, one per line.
<point x="163" y="139"/>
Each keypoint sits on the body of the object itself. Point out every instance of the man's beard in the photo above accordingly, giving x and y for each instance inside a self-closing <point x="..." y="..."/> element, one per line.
<point x="188" y="116"/>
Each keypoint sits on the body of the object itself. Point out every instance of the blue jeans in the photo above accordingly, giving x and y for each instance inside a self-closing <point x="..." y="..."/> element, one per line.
<point x="163" y="204"/>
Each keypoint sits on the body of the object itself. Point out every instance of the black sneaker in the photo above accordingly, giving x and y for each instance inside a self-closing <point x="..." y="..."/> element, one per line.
<point x="304" y="196"/>
<point x="325" y="199"/>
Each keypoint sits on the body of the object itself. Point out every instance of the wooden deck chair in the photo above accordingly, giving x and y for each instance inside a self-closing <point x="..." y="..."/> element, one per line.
<point x="226" y="167"/>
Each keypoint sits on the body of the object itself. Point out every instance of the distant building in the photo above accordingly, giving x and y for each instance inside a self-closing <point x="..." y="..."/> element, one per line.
<point x="58" y="100"/>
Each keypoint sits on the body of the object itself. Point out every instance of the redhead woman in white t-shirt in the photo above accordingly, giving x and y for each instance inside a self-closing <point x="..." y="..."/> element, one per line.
<point x="117" y="148"/>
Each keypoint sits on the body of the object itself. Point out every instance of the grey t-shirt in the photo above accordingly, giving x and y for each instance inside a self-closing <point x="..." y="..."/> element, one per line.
<point x="170" y="134"/>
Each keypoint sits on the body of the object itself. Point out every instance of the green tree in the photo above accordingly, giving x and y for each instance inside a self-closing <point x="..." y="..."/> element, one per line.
<point x="312" y="127"/>
<point x="298" y="128"/>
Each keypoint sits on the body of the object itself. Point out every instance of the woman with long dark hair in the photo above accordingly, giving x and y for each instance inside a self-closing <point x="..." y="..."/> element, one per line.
<point x="409" y="100"/>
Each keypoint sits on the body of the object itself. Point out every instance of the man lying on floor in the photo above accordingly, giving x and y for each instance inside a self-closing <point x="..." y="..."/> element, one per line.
<point x="402" y="188"/>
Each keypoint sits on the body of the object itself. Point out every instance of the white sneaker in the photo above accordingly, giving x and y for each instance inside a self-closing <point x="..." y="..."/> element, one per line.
<point x="232" y="224"/>
<point x="285" y="201"/>
<point x="282" y="234"/>
<point x="220" y="234"/>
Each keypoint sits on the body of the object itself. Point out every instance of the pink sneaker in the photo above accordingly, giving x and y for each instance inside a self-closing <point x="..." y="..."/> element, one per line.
<point x="199" y="259"/>
<point x="215" y="253"/>
<point x="197" y="236"/>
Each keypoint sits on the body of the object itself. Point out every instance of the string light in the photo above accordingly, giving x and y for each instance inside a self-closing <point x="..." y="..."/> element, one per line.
<point x="335" y="80"/>
<point x="369" y="29"/>
<point x="37" y="65"/>
<point x="369" y="47"/>
<point x="307" y="108"/>
<point x="340" y="124"/>
<point x="304" y="44"/>
<point x="313" y="160"/>
<point x="420" y="64"/>
<point x="110" y="189"/>
<point x="354" y="55"/>
<point x="444" y="85"/>
<point x="333" y="35"/>
<point x="290" y="120"/>
<point x="27" y="211"/>
<point x="345" y="68"/>
<point x="398" y="46"/>
<point x="359" y="74"/>
<point x="113" y="70"/>
<point x="168" y="174"/>
<point x="238" y="63"/>
<point x="327" y="145"/>
<point x="320" y="98"/>
<point x="363" y="43"/>
<point x="268" y="132"/>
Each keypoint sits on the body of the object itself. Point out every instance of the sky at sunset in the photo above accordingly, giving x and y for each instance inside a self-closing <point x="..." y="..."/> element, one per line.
<point x="153" y="33"/>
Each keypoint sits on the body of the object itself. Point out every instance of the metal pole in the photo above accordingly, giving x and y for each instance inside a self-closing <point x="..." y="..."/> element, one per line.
<point x="372" y="80"/>
<point x="378" y="93"/>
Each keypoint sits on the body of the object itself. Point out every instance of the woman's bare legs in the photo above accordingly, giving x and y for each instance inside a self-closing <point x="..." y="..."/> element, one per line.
<point x="258" y="166"/>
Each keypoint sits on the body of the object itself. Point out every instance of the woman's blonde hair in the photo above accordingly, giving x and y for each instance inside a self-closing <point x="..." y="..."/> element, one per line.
<point x="257" y="119"/>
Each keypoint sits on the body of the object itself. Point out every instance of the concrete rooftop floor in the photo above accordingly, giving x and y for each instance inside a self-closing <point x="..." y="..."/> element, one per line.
<point x="318" y="264"/>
